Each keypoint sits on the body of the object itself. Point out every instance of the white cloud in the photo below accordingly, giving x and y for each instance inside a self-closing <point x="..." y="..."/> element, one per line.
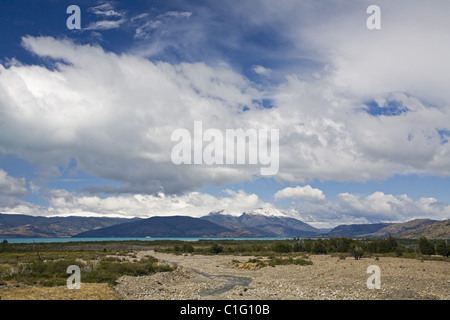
<point x="345" y="209"/>
<point x="105" y="25"/>
<point x="111" y="18"/>
<point x="106" y="9"/>
<point x="10" y="186"/>
<point x="306" y="193"/>
<point x="376" y="207"/>
<point x="263" y="71"/>
<point x="115" y="114"/>
<point x="147" y="25"/>
<point x="106" y="111"/>
<point x="194" y="204"/>
<point x="178" y="14"/>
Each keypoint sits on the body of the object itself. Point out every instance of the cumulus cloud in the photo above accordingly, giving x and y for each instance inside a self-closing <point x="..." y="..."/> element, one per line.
<point x="10" y="186"/>
<point x="194" y="204"/>
<point x="306" y="193"/>
<point x="115" y="115"/>
<point x="373" y="208"/>
<point x="263" y="71"/>
<point x="347" y="208"/>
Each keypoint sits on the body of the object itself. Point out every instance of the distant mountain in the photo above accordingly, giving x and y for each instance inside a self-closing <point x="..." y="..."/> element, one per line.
<point x="165" y="227"/>
<point x="413" y="229"/>
<point x="25" y="226"/>
<point x="355" y="230"/>
<point x="431" y="229"/>
<point x="264" y="224"/>
<point x="400" y="228"/>
<point x="251" y="224"/>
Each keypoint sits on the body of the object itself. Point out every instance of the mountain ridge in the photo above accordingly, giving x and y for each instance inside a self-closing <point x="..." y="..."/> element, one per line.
<point x="266" y="225"/>
<point x="172" y="226"/>
<point x="250" y="224"/>
<point x="416" y="228"/>
<point x="26" y="226"/>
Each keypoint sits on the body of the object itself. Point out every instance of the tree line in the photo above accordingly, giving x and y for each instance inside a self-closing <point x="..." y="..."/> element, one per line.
<point x="358" y="248"/>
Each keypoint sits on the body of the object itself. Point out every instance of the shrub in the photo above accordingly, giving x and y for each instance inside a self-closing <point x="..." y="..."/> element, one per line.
<point x="299" y="246"/>
<point x="319" y="247"/>
<point x="426" y="246"/>
<point x="443" y="249"/>
<point x="187" y="248"/>
<point x="282" y="247"/>
<point x="356" y="251"/>
<point x="216" y="249"/>
<point x="109" y="272"/>
<point x="342" y="256"/>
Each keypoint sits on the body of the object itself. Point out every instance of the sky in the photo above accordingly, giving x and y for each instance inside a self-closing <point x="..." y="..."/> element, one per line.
<point x="362" y="115"/>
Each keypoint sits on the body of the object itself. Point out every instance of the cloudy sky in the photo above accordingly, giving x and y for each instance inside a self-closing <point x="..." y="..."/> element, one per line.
<point x="86" y="115"/>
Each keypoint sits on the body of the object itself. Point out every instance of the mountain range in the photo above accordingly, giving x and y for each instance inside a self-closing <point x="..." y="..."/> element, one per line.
<point x="260" y="223"/>
<point x="25" y="226"/>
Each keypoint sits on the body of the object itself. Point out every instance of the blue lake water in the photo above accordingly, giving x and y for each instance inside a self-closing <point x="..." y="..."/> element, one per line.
<point x="49" y="240"/>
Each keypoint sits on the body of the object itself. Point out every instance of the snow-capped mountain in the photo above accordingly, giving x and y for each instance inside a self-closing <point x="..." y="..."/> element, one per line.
<point x="267" y="212"/>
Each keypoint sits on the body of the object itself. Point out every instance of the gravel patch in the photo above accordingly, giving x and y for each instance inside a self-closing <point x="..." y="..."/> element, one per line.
<point x="215" y="277"/>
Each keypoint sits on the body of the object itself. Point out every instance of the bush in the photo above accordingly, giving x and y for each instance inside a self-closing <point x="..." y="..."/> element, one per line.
<point x="319" y="247"/>
<point x="187" y="248"/>
<point x="282" y="247"/>
<point x="299" y="246"/>
<point x="339" y="244"/>
<point x="426" y="246"/>
<point x="443" y="249"/>
<point x="48" y="273"/>
<point x="356" y="251"/>
<point x="216" y="249"/>
<point x="109" y="272"/>
<point x="382" y="245"/>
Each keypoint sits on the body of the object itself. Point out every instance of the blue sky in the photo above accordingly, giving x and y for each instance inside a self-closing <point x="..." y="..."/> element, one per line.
<point x="86" y="116"/>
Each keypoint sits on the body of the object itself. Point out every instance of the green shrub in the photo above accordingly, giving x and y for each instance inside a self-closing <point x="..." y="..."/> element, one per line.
<point x="216" y="249"/>
<point x="356" y="251"/>
<point x="282" y="247"/>
<point x="442" y="248"/>
<point x="187" y="248"/>
<point x="426" y="246"/>
<point x="319" y="247"/>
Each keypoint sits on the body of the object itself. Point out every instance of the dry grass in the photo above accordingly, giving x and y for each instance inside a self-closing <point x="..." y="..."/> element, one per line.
<point x="88" y="291"/>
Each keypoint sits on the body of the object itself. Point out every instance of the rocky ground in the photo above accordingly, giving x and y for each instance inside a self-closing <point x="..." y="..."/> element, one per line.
<point x="222" y="277"/>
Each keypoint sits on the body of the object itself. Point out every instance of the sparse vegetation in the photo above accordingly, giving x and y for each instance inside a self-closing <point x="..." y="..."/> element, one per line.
<point x="46" y="265"/>
<point x="258" y="263"/>
<point x="356" y="248"/>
